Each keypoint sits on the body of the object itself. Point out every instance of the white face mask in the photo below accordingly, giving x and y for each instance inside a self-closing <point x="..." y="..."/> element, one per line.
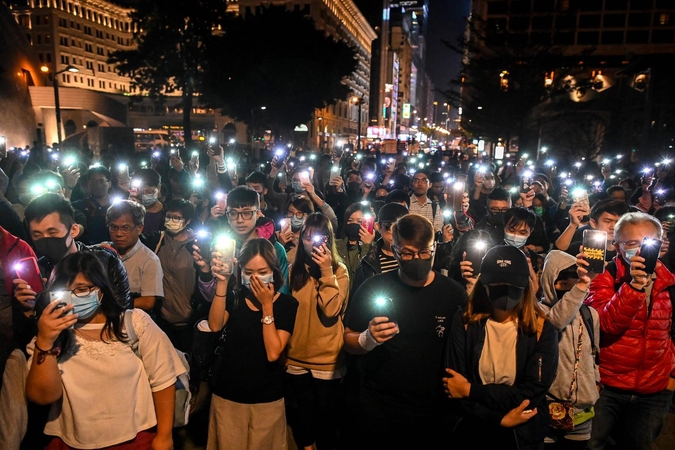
<point x="173" y="227"/>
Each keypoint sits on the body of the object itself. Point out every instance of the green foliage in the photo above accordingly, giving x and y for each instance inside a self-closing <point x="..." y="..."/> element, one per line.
<point x="277" y="59"/>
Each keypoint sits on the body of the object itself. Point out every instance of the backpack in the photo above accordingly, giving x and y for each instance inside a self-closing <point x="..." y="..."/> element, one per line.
<point x="183" y="394"/>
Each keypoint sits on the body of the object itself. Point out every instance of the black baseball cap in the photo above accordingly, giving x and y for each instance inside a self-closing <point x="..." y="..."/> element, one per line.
<point x="506" y="265"/>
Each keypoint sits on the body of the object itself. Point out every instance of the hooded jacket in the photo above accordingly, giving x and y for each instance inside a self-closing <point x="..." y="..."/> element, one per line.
<point x="637" y="353"/>
<point x="565" y="316"/>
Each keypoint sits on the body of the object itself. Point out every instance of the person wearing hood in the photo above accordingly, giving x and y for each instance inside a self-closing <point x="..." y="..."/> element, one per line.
<point x="565" y="282"/>
<point x="179" y="309"/>
<point x="357" y="240"/>
<point x="147" y="193"/>
<point x="502" y="358"/>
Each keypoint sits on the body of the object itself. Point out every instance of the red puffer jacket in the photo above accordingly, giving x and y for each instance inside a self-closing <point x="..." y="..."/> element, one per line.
<point x="636" y="351"/>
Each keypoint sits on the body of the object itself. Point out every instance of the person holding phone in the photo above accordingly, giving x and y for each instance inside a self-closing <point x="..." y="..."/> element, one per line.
<point x="319" y="281"/>
<point x="82" y="352"/>
<point x="247" y="402"/>
<point x="399" y="397"/>
<point x="502" y="357"/>
<point x="637" y="354"/>
<point x="357" y="240"/>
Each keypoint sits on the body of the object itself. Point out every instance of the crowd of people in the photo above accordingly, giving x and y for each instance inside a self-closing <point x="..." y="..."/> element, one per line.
<point x="363" y="300"/>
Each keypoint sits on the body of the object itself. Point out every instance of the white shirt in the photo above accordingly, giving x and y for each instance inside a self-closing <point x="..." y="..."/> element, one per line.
<point x="107" y="388"/>
<point x="144" y="271"/>
<point x="497" y="363"/>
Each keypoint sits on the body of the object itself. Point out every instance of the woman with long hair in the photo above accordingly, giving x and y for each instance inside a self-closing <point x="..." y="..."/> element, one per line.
<point x="316" y="360"/>
<point x="247" y="405"/>
<point x="502" y="357"/>
<point x="101" y="391"/>
<point x="297" y="210"/>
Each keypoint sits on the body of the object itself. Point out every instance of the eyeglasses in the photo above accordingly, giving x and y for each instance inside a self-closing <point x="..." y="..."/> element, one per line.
<point x="83" y="291"/>
<point x="298" y="215"/>
<point x="99" y="181"/>
<point x="420" y="180"/>
<point x="246" y="215"/>
<point x="407" y="255"/>
<point x="174" y="219"/>
<point x="629" y="244"/>
<point x="126" y="229"/>
<point x="498" y="210"/>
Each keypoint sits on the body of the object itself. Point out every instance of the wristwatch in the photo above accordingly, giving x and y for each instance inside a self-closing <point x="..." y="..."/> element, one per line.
<point x="267" y="320"/>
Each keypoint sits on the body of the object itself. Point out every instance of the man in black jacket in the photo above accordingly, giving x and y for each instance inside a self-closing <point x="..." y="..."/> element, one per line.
<point x="52" y="227"/>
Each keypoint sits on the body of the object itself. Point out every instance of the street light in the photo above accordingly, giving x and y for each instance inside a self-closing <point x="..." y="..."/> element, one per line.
<point x="253" y="127"/>
<point x="358" y="101"/>
<point x="57" y="106"/>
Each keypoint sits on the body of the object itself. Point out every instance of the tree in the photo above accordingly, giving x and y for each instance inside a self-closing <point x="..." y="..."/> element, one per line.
<point x="172" y="37"/>
<point x="280" y="60"/>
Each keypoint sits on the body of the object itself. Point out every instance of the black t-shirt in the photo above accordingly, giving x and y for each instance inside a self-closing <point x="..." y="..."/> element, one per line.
<point x="403" y="375"/>
<point x="246" y="375"/>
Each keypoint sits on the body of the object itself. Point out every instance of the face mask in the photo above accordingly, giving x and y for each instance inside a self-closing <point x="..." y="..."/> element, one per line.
<point x="174" y="228"/>
<point x="148" y="199"/>
<point x="267" y="279"/>
<point x="539" y="210"/>
<point x="85" y="307"/>
<point x="296" y="223"/>
<point x="52" y="247"/>
<point x="297" y="186"/>
<point x="496" y="218"/>
<point x="499" y="298"/>
<point x="380" y="198"/>
<point x="515" y="240"/>
<point x="489" y="184"/>
<point x="352" y="231"/>
<point x="560" y="293"/>
<point x="353" y="186"/>
<point x="416" y="269"/>
<point x="629" y="254"/>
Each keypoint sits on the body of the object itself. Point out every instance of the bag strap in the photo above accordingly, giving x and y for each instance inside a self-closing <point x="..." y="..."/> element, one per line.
<point x="588" y="322"/>
<point x="159" y="243"/>
<point x="434" y="207"/>
<point x="223" y="333"/>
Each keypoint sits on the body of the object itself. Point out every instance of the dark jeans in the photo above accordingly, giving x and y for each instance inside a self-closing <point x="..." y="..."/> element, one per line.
<point x="634" y="421"/>
<point x="313" y="410"/>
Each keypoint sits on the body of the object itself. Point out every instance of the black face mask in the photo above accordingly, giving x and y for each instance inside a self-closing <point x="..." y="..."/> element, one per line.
<point x="352" y="231"/>
<point x="499" y="298"/>
<point x="53" y="248"/>
<point x="496" y="218"/>
<point x="560" y="293"/>
<point x="353" y="186"/>
<point x="416" y="269"/>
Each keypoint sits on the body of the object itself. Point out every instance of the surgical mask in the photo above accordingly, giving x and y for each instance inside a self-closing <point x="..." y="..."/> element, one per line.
<point x="149" y="199"/>
<point x="496" y="218"/>
<point x="297" y="186"/>
<point x="53" y="248"/>
<point x="296" y="223"/>
<point x="499" y="298"/>
<point x="539" y="210"/>
<point x="352" y="231"/>
<point x="630" y="253"/>
<point x="85" y="307"/>
<point x="353" y="186"/>
<point x="515" y="240"/>
<point x="489" y="184"/>
<point x="416" y="269"/>
<point x="173" y="227"/>
<point x="267" y="279"/>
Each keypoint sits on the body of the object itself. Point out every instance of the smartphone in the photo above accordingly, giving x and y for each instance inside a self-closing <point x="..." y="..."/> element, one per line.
<point x="63" y="299"/>
<point x="391" y="164"/>
<point x="232" y="169"/>
<point x="334" y="172"/>
<point x="304" y="177"/>
<point x="474" y="253"/>
<point x="203" y="242"/>
<point x="368" y="179"/>
<point x="280" y="156"/>
<point x="525" y="183"/>
<point x="216" y="149"/>
<point x="650" y="250"/>
<point x="368" y="222"/>
<point x="284" y="223"/>
<point x="195" y="155"/>
<point x="580" y="196"/>
<point x="221" y="199"/>
<point x="283" y="179"/>
<point x="27" y="269"/>
<point x="384" y="307"/>
<point x="318" y="240"/>
<point x="595" y="242"/>
<point x="457" y="195"/>
<point x="227" y="248"/>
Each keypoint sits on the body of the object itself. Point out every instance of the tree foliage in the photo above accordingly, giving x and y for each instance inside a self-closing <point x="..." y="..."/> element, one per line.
<point x="172" y="37"/>
<point x="280" y="60"/>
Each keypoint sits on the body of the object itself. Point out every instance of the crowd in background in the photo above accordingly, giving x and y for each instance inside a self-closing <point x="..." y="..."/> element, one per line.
<point x="369" y="299"/>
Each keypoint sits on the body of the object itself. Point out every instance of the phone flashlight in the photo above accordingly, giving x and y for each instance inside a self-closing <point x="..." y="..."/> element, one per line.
<point x="480" y="245"/>
<point x="55" y="156"/>
<point x="198" y="182"/>
<point x="136" y="183"/>
<point x="122" y="167"/>
<point x="202" y="234"/>
<point x="212" y="140"/>
<point x="279" y="152"/>
<point x="649" y="241"/>
<point x="156" y="154"/>
<point x="568" y="182"/>
<point x="550" y="162"/>
<point x="195" y="154"/>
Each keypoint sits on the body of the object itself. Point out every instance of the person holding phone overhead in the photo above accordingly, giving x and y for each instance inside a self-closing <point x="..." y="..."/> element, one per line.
<point x="637" y="354"/>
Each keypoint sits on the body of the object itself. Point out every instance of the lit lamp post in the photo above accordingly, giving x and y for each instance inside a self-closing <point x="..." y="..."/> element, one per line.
<point x="358" y="101"/>
<point x="57" y="106"/>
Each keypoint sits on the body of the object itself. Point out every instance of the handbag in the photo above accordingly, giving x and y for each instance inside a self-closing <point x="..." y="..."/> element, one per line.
<point x="562" y="411"/>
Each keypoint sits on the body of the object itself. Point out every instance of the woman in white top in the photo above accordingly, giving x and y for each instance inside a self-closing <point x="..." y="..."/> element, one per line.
<point x="101" y="392"/>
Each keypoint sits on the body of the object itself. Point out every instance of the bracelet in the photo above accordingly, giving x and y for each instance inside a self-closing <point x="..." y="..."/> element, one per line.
<point x="223" y="296"/>
<point x="69" y="187"/>
<point x="367" y="341"/>
<point x="42" y="354"/>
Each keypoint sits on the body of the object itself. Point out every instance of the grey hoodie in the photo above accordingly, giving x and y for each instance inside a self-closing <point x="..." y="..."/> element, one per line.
<point x="565" y="316"/>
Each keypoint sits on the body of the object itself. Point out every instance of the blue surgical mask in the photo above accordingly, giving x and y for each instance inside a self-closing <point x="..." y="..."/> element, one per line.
<point x="267" y="279"/>
<point x="296" y="223"/>
<point x="85" y="307"/>
<point x="148" y="199"/>
<point x="630" y="253"/>
<point x="297" y="186"/>
<point x="515" y="240"/>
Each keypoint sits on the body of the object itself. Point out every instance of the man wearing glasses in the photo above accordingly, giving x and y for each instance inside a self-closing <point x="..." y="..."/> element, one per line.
<point x="125" y="221"/>
<point x="637" y="355"/>
<point x="421" y="204"/>
<point x="398" y="322"/>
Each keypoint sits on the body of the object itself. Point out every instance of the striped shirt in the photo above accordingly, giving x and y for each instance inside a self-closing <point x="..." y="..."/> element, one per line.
<point x="426" y="210"/>
<point x="387" y="263"/>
